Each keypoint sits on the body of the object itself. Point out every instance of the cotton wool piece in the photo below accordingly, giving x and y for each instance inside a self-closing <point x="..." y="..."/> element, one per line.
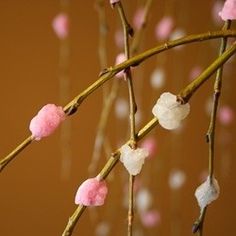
<point x="169" y="111"/>
<point x="207" y="192"/>
<point x="46" y="121"/>
<point x="133" y="159"/>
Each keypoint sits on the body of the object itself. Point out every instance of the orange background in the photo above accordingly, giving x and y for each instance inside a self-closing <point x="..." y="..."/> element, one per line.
<point x="34" y="198"/>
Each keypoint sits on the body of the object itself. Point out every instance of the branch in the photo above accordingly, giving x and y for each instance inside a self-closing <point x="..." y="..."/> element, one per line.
<point x="111" y="163"/>
<point x="73" y="105"/>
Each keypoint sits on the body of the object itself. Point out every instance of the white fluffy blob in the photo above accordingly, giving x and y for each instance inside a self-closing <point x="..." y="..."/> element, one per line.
<point x="157" y="79"/>
<point x="169" y="111"/>
<point x="143" y="200"/>
<point x="133" y="159"/>
<point x="207" y="192"/>
<point x="176" y="179"/>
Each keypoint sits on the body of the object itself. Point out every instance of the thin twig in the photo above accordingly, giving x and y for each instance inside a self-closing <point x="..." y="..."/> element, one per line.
<point x="210" y="136"/>
<point x="73" y="105"/>
<point x="132" y="108"/>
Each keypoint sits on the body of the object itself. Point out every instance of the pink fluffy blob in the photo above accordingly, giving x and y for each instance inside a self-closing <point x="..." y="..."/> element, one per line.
<point x="150" y="218"/>
<point x="226" y="115"/>
<point x="91" y="192"/>
<point x="164" y="27"/>
<point x="46" y="121"/>
<point x="228" y="11"/>
<point x="60" y="25"/>
<point x="139" y="18"/>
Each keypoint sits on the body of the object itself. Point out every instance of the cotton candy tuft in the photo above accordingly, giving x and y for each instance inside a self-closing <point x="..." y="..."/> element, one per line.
<point x="46" y="121"/>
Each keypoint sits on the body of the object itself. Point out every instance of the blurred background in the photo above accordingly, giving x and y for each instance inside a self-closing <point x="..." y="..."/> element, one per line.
<point x="39" y="66"/>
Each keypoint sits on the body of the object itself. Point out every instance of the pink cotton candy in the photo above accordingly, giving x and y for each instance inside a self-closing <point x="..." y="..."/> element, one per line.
<point x="164" y="28"/>
<point x="60" y="25"/>
<point x="139" y="18"/>
<point x="150" y="218"/>
<point x="228" y="11"/>
<point x="150" y="145"/>
<point x="226" y="115"/>
<point x="46" y="121"/>
<point x="119" y="59"/>
<point x="91" y="192"/>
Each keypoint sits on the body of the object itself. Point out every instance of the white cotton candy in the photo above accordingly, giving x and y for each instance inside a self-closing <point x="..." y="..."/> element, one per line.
<point x="207" y="192"/>
<point x="169" y="111"/>
<point x="176" y="179"/>
<point x="133" y="159"/>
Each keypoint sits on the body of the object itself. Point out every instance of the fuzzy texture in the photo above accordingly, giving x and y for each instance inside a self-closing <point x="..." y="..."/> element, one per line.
<point x="169" y="111"/>
<point x="91" y="192"/>
<point x="207" y="193"/>
<point x="228" y="11"/>
<point x="133" y="159"/>
<point x="60" y="25"/>
<point x="164" y="28"/>
<point x="46" y="121"/>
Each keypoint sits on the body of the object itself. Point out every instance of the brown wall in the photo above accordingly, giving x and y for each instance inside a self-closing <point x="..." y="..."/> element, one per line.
<point x="34" y="198"/>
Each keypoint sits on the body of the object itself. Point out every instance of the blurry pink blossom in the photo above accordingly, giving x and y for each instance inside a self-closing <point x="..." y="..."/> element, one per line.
<point x="218" y="5"/>
<point x="91" y="192"/>
<point x="195" y="72"/>
<point x="176" y="179"/>
<point x="150" y="218"/>
<point x="150" y="145"/>
<point x="164" y="27"/>
<point x="113" y="2"/>
<point x="119" y="59"/>
<point x="119" y="39"/>
<point x="228" y="11"/>
<point x="46" y="121"/>
<point x="226" y="115"/>
<point x="60" y="25"/>
<point x="138" y="18"/>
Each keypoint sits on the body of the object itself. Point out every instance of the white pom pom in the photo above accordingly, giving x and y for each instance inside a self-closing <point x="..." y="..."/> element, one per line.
<point x="207" y="192"/>
<point x="133" y="159"/>
<point x="169" y="111"/>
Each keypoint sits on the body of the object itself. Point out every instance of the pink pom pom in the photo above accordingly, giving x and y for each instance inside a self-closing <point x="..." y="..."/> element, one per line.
<point x="138" y="18"/>
<point x="46" y="121"/>
<point x="164" y="28"/>
<point x="60" y="25"/>
<point x="228" y="11"/>
<point x="226" y="115"/>
<point x="150" y="218"/>
<point x="150" y="145"/>
<point x="91" y="192"/>
<point x="119" y="59"/>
